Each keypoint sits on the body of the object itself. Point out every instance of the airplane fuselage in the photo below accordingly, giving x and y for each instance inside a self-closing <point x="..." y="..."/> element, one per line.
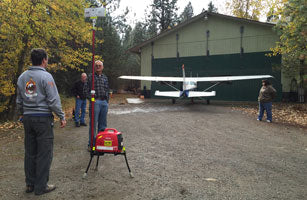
<point x="189" y="85"/>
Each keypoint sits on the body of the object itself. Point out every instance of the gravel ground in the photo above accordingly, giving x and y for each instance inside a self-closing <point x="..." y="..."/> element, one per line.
<point x="181" y="151"/>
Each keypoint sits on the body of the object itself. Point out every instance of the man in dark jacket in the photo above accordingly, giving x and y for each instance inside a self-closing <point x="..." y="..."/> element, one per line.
<point x="37" y="98"/>
<point x="80" y="101"/>
<point x="266" y="95"/>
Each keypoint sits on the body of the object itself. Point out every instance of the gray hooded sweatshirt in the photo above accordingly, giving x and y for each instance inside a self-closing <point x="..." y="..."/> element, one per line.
<point x="37" y="93"/>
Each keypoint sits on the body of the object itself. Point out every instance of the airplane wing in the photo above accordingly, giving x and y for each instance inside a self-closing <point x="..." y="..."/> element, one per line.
<point x="226" y="78"/>
<point x="153" y="78"/>
<point x="201" y="94"/>
<point x="168" y="93"/>
<point x="196" y="79"/>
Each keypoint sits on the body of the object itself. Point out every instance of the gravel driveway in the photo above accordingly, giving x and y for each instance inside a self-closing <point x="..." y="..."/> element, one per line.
<point x="181" y="151"/>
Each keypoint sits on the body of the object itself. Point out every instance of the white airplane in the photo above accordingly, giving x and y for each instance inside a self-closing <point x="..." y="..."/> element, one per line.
<point x="189" y="84"/>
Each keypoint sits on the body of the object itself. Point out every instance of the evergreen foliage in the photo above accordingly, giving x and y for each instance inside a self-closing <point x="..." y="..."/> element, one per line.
<point x="165" y="13"/>
<point x="187" y="13"/>
<point x="212" y="8"/>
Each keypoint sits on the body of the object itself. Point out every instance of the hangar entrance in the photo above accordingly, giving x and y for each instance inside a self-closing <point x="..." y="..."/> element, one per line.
<point x="222" y="65"/>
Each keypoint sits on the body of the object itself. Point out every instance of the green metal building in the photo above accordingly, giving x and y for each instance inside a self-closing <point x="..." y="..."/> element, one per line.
<point x="212" y="44"/>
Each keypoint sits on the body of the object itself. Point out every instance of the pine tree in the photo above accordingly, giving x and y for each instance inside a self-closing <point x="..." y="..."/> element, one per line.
<point x="152" y="23"/>
<point x="187" y="12"/>
<point x="165" y="13"/>
<point x="212" y="8"/>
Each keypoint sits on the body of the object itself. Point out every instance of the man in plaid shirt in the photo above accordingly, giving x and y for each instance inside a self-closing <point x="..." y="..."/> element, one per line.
<point x="101" y="86"/>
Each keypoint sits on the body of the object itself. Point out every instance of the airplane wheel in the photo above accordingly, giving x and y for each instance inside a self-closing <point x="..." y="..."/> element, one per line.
<point x="208" y="101"/>
<point x="173" y="101"/>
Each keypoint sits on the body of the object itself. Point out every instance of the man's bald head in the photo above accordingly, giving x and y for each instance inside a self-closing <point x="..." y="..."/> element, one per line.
<point x="83" y="77"/>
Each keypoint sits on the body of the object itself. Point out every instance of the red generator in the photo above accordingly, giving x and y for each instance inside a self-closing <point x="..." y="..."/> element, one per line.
<point x="109" y="141"/>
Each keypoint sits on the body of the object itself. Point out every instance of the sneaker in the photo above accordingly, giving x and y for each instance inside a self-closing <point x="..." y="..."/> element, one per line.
<point x="77" y="124"/>
<point x="258" y="119"/>
<point x="83" y="124"/>
<point x="269" y="121"/>
<point x="49" y="188"/>
<point x="29" y="188"/>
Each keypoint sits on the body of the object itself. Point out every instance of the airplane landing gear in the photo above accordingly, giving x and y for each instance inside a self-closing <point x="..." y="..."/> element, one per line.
<point x="192" y="100"/>
<point x="173" y="101"/>
<point x="208" y="101"/>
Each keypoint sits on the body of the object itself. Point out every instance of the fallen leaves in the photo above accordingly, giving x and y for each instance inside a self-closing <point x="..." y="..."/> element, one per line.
<point x="285" y="113"/>
<point x="10" y="125"/>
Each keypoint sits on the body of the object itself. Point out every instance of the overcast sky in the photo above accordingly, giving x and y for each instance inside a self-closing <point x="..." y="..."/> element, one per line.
<point x="137" y="7"/>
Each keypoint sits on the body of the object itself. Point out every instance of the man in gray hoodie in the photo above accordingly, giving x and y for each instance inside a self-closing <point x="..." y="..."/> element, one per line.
<point x="37" y="98"/>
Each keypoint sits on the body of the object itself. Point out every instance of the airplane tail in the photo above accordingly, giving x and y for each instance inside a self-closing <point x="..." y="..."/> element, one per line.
<point x="183" y="73"/>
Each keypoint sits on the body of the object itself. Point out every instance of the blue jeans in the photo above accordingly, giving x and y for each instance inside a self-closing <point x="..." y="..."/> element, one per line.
<point x="80" y="104"/>
<point x="100" y="118"/>
<point x="265" y="107"/>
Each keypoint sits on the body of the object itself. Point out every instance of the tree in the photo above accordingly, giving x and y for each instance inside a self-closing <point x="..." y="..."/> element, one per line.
<point x="165" y="13"/>
<point x="248" y="9"/>
<point x="58" y="26"/>
<point x="212" y="8"/>
<point x="138" y="34"/>
<point x="132" y="62"/>
<point x="187" y="12"/>
<point x="152" y="23"/>
<point x="292" y="30"/>
<point x="108" y="48"/>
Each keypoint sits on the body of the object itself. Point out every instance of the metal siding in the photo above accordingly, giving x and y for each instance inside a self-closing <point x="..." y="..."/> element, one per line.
<point x="146" y="65"/>
<point x="165" y="47"/>
<point x="192" y="39"/>
<point x="224" y="39"/>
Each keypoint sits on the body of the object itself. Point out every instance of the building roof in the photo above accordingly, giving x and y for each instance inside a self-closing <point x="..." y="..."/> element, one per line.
<point x="136" y="49"/>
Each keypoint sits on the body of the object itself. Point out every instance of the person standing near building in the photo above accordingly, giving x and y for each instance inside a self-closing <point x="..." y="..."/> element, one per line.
<point x="266" y="95"/>
<point x="37" y="98"/>
<point x="80" y="96"/>
<point x="101" y="87"/>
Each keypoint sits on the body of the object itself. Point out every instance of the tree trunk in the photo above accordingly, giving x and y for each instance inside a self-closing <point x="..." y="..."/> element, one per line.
<point x="12" y="114"/>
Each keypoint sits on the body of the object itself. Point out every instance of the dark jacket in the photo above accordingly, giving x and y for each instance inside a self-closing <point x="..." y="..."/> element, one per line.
<point x="77" y="90"/>
<point x="266" y="94"/>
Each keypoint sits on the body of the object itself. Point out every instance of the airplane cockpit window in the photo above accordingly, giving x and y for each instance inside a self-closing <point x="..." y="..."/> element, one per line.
<point x="192" y="83"/>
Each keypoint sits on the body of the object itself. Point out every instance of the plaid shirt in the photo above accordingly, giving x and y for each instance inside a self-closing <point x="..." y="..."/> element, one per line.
<point x="101" y="87"/>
